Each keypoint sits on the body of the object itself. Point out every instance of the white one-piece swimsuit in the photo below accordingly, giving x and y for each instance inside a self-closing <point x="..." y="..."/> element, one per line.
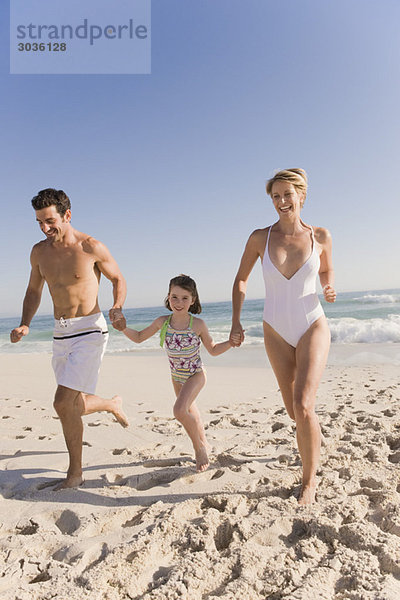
<point x="291" y="305"/>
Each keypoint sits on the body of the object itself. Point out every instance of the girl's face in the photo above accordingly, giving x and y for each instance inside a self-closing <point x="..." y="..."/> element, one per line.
<point x="180" y="300"/>
<point x="286" y="199"/>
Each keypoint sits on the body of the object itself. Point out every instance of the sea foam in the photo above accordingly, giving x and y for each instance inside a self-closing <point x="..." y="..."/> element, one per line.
<point x="348" y="330"/>
<point x="379" y="299"/>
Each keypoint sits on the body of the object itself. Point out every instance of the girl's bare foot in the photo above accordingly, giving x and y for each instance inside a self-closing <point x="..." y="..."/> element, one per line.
<point x="202" y="462"/>
<point x="71" y="481"/>
<point x="118" y="412"/>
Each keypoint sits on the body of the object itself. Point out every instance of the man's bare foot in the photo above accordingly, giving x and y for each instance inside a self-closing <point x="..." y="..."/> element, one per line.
<point x="118" y="412"/>
<point x="307" y="494"/>
<point x="202" y="462"/>
<point x="71" y="481"/>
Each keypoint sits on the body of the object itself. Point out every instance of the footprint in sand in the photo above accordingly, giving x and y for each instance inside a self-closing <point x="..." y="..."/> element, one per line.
<point x="226" y="422"/>
<point x="225" y="459"/>
<point x="393" y="443"/>
<point x="204" y="476"/>
<point x="167" y="462"/>
<point x="218" y="473"/>
<point x="276" y="426"/>
<point x="223" y="536"/>
<point x="68" y="522"/>
<point x="114" y="478"/>
<point x="147" y="481"/>
<point x="371" y="483"/>
<point x="119" y="451"/>
<point x="389" y="413"/>
<point x="47" y="484"/>
<point x="27" y="528"/>
<point x="394" y="458"/>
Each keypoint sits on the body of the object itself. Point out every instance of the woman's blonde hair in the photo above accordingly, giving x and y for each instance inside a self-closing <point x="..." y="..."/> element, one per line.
<point x="297" y="177"/>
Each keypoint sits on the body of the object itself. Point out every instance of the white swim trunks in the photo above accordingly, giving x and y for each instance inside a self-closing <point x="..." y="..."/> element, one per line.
<point x="78" y="348"/>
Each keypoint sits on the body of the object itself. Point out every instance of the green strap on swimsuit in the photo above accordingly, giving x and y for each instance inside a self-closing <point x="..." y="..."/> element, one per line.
<point x="163" y="330"/>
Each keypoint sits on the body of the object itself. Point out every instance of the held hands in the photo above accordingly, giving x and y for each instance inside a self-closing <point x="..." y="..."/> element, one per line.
<point x="117" y="319"/>
<point x="329" y="293"/>
<point x="236" y="336"/>
<point x="18" y="333"/>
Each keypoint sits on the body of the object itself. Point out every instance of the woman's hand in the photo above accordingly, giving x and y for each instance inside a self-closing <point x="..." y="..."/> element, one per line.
<point x="236" y="336"/>
<point x="329" y="293"/>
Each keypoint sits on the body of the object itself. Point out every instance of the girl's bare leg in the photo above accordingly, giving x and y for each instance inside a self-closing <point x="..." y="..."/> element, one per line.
<point x="187" y="413"/>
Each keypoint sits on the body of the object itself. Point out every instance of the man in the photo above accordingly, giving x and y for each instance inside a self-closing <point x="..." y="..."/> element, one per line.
<point x="71" y="263"/>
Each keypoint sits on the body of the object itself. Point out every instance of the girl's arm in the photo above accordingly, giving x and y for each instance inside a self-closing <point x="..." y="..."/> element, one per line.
<point x="140" y="336"/>
<point x="249" y="258"/>
<point x="211" y="347"/>
<point x="326" y="272"/>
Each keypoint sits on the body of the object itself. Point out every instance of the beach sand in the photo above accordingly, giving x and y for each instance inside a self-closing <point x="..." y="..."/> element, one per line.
<point x="145" y="525"/>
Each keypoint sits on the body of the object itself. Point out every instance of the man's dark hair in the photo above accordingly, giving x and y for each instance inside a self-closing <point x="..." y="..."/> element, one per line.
<point x="51" y="197"/>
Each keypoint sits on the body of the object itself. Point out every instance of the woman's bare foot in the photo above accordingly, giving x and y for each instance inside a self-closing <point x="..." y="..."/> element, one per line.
<point x="202" y="462"/>
<point x="118" y="412"/>
<point x="71" y="481"/>
<point x="307" y="494"/>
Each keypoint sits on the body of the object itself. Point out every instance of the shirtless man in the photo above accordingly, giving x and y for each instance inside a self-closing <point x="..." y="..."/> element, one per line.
<point x="71" y="263"/>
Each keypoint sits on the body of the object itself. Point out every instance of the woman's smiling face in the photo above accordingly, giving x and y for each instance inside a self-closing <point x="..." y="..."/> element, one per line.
<point x="286" y="199"/>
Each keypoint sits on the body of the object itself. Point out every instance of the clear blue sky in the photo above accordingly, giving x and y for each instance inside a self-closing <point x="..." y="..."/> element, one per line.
<point x="168" y="169"/>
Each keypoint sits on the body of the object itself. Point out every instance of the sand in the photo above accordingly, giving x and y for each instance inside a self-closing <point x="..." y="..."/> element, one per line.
<point x="145" y="525"/>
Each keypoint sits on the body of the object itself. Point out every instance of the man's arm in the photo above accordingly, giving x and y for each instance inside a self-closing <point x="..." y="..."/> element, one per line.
<point x="108" y="266"/>
<point x="32" y="299"/>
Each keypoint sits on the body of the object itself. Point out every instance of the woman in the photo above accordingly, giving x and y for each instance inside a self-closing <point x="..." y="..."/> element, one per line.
<point x="296" y="333"/>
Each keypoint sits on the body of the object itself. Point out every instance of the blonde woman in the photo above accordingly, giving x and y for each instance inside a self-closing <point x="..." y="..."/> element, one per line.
<point x="296" y="332"/>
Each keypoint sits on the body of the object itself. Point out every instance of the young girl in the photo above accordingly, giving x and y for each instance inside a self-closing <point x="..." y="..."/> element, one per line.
<point x="181" y="333"/>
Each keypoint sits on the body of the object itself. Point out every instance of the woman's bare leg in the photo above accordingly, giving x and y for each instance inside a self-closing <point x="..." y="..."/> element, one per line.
<point x="282" y="357"/>
<point x="299" y="371"/>
<point x="187" y="413"/>
<point x="311" y="356"/>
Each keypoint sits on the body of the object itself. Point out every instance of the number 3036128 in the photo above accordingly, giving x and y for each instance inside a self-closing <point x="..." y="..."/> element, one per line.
<point x="42" y="47"/>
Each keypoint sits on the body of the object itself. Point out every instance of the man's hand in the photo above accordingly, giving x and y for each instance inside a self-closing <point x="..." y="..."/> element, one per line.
<point x="117" y="319"/>
<point x="18" y="333"/>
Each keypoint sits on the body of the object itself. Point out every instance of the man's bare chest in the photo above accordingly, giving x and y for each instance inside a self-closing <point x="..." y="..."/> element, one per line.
<point x="67" y="266"/>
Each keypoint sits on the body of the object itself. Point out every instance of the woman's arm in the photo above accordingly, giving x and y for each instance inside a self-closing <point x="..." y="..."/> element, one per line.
<point x="209" y="344"/>
<point x="326" y="272"/>
<point x="141" y="336"/>
<point x="249" y="258"/>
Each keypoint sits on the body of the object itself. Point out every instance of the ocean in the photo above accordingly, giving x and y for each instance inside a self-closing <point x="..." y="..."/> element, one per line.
<point x="367" y="317"/>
